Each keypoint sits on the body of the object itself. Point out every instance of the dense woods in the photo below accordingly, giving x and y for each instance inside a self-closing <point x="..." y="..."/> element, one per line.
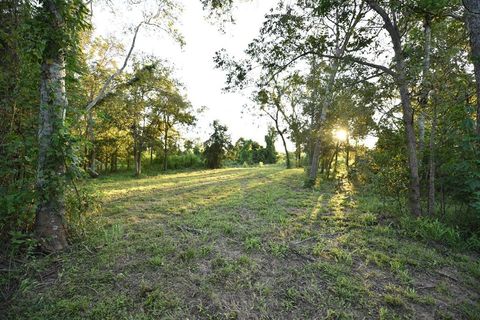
<point x="329" y="77"/>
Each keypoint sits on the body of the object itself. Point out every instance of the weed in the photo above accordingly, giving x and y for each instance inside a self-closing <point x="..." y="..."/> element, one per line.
<point x="253" y="243"/>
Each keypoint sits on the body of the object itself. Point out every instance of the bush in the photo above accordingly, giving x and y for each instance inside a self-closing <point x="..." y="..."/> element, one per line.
<point x="81" y="203"/>
<point x="184" y="161"/>
<point x="433" y="230"/>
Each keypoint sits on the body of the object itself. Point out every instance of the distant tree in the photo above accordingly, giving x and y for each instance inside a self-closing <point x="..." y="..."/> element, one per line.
<point x="243" y="151"/>
<point x="216" y="146"/>
<point x="270" y="152"/>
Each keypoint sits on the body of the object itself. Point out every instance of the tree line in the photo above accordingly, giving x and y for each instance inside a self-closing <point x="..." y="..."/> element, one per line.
<point x="407" y="72"/>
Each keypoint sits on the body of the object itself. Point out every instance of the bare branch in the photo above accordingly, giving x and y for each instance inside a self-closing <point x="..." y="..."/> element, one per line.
<point x="101" y="95"/>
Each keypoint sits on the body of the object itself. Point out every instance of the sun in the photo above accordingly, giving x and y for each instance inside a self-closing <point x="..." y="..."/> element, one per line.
<point x="340" y="134"/>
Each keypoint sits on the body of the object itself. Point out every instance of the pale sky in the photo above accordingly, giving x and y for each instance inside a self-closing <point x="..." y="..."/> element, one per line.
<point x="194" y="65"/>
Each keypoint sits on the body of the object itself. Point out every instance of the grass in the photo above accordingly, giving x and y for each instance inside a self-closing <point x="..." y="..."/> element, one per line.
<point x="245" y="243"/>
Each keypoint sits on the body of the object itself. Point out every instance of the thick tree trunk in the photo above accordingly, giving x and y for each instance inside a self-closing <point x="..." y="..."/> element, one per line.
<point x="472" y="10"/>
<point x="50" y="213"/>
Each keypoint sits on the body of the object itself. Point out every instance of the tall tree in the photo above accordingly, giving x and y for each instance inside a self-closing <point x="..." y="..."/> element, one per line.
<point x="472" y="13"/>
<point x="217" y="145"/>
<point x="54" y="15"/>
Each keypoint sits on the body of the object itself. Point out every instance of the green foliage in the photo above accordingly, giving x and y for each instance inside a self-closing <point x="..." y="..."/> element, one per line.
<point x="82" y="204"/>
<point x="185" y="161"/>
<point x="431" y="229"/>
<point x="216" y="147"/>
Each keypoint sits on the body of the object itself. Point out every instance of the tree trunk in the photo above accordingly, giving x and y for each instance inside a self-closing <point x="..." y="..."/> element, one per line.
<point x="431" y="165"/>
<point x="337" y="147"/>
<point x="165" y="150"/>
<point x="347" y="153"/>
<point x="138" y="162"/>
<point x="322" y="168"/>
<point x="312" y="174"/>
<point x="298" y="155"/>
<point x="425" y="88"/>
<point x="289" y="165"/>
<point x="329" y="164"/>
<point x="415" y="208"/>
<point x="472" y="9"/>
<point x="50" y="213"/>
<point x="402" y="84"/>
<point x="137" y="151"/>
<point x="341" y="47"/>
<point x="326" y="102"/>
<point x="91" y="139"/>
<point x="115" y="161"/>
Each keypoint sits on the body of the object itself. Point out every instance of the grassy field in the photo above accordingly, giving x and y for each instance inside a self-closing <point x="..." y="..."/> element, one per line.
<point x="246" y="243"/>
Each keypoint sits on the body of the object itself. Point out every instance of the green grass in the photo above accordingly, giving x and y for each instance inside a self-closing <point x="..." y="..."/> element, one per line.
<point x="245" y="243"/>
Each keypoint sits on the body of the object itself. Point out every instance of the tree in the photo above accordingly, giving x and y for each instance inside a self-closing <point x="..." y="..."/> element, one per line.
<point x="173" y="108"/>
<point x="270" y="152"/>
<point x="472" y="13"/>
<point x="216" y="146"/>
<point x="61" y="20"/>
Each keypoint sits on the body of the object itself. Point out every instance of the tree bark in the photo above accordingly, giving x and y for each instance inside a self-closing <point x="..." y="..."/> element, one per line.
<point x="92" y="152"/>
<point x="289" y="165"/>
<point x="472" y="11"/>
<point x="137" y="151"/>
<point x="337" y="148"/>
<point x="165" y="149"/>
<point x="424" y="90"/>
<point x="280" y="132"/>
<point x="347" y="153"/>
<point x="411" y="140"/>
<point x="50" y="213"/>
<point x="298" y="155"/>
<point x="431" y="165"/>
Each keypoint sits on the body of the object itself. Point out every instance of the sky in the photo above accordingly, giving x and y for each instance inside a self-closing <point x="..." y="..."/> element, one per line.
<point x="193" y="64"/>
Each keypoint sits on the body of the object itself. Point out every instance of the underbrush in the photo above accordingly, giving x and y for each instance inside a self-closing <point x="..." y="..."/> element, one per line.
<point x="435" y="229"/>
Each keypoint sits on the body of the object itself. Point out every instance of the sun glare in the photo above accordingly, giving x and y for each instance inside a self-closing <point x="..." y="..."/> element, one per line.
<point x="340" y="134"/>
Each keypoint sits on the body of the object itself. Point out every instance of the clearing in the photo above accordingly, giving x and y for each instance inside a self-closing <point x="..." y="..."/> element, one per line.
<point x="246" y="243"/>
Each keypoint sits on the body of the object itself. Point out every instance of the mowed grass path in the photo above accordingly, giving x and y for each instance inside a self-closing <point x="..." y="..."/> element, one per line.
<point x="246" y="243"/>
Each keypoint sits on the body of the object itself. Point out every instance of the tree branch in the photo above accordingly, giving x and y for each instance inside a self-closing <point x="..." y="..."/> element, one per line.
<point x="101" y="95"/>
<point x="363" y="62"/>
